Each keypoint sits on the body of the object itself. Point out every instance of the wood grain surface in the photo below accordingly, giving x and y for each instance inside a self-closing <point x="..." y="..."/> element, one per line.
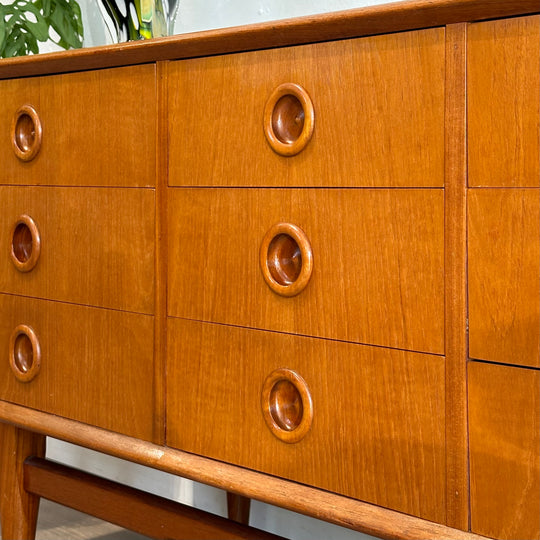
<point x="96" y="366"/>
<point x="18" y="509"/>
<point x="378" y="415"/>
<point x="343" y="511"/>
<point x="504" y="102"/>
<point x="379" y="114"/>
<point x="504" y="275"/>
<point x="377" y="262"/>
<point x="504" y="413"/>
<point x="97" y="245"/>
<point x="131" y="507"/>
<point x="371" y="20"/>
<point x="111" y="138"/>
<point x="455" y="261"/>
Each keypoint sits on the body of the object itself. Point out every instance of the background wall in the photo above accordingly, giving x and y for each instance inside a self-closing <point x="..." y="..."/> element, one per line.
<point x="196" y="15"/>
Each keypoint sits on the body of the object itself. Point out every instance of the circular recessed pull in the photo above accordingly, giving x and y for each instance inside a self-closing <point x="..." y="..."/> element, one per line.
<point x="289" y="119"/>
<point x="286" y="259"/>
<point x="25" y="244"/>
<point x="24" y="353"/>
<point x="287" y="405"/>
<point x="26" y="133"/>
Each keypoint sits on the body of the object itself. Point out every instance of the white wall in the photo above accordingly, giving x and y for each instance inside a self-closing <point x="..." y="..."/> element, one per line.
<point x="196" y="15"/>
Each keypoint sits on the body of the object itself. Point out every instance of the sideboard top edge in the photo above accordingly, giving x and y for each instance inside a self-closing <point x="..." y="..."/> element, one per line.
<point x="359" y="22"/>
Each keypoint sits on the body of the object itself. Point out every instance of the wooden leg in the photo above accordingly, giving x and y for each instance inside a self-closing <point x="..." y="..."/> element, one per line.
<point x="18" y="509"/>
<point x="238" y="508"/>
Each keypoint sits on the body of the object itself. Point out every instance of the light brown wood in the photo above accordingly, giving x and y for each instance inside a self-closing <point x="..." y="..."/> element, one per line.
<point x="504" y="102"/>
<point x="97" y="245"/>
<point x="389" y="265"/>
<point x="377" y="262"/>
<point x="371" y="20"/>
<point x="96" y="365"/>
<point x="378" y="414"/>
<point x="130" y="508"/>
<point x="112" y="128"/>
<point x="504" y="412"/>
<point x="455" y="200"/>
<point x="390" y="134"/>
<point x="161" y="259"/>
<point x="343" y="511"/>
<point x="18" y="509"/>
<point x="504" y="275"/>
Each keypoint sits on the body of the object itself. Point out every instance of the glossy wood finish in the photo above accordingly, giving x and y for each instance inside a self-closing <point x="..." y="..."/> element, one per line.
<point x="130" y="507"/>
<point x="455" y="200"/>
<point x="334" y="508"/>
<point x="96" y="149"/>
<point x="390" y="134"/>
<point x="377" y="262"/>
<point x="97" y="245"/>
<point x="96" y="365"/>
<point x="504" y="412"/>
<point x="18" y="509"/>
<point x="362" y="444"/>
<point x="393" y="275"/>
<point x="372" y="20"/>
<point x="504" y="102"/>
<point x="504" y="275"/>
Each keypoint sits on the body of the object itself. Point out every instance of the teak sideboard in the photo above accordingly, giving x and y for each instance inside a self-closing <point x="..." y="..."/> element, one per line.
<point x="298" y="261"/>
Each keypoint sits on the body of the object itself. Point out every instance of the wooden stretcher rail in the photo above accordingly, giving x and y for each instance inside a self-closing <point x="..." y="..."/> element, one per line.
<point x="128" y="507"/>
<point x="336" y="509"/>
<point x="392" y="17"/>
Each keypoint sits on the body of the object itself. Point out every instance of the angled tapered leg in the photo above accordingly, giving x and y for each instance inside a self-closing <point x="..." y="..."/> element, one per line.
<point x="18" y="509"/>
<point x="238" y="508"/>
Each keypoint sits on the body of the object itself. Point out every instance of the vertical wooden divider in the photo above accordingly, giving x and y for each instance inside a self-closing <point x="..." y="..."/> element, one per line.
<point x="160" y="310"/>
<point x="457" y="468"/>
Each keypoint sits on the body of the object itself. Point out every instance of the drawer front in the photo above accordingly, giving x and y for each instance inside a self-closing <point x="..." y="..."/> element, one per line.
<point x="377" y="428"/>
<point x="503" y="89"/>
<point x="96" y="366"/>
<point x="98" y="128"/>
<point x="377" y="262"/>
<point x="504" y="420"/>
<point x="504" y="275"/>
<point x="96" y="245"/>
<point x="378" y="107"/>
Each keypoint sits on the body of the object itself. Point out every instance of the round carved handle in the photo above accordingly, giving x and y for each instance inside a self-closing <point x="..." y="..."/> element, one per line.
<point x="26" y="133"/>
<point x="287" y="405"/>
<point x="25" y="244"/>
<point x="286" y="259"/>
<point x="289" y="119"/>
<point x="24" y="353"/>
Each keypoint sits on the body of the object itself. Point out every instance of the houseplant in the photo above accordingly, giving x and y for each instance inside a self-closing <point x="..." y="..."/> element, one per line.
<point x="25" y="23"/>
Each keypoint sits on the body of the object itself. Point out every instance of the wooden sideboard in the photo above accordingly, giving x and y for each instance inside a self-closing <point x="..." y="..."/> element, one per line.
<point x="298" y="261"/>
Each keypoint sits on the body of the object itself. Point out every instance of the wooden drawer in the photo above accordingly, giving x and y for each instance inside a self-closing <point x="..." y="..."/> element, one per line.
<point x="504" y="420"/>
<point x="504" y="275"/>
<point x="96" y="245"/>
<point x="377" y="430"/>
<point x="378" y="115"/>
<point x="377" y="262"/>
<point x="503" y="89"/>
<point x="96" y="365"/>
<point x="98" y="128"/>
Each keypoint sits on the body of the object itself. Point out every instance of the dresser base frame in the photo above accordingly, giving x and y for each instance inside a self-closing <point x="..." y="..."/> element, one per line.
<point x="316" y="503"/>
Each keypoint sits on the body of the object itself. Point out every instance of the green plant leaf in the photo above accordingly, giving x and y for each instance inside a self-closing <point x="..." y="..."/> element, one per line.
<point x="24" y="23"/>
<point x="66" y="20"/>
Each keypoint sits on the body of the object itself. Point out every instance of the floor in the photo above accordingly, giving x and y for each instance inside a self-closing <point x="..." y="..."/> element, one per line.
<point x="57" y="522"/>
